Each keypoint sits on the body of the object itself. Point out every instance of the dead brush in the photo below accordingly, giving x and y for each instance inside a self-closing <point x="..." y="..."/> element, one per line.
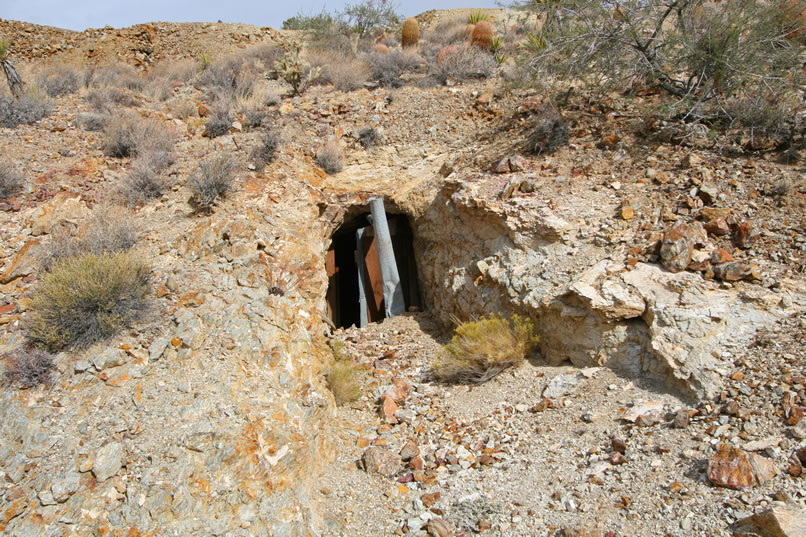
<point x="212" y="181"/>
<point x="481" y="349"/>
<point x="28" y="368"/>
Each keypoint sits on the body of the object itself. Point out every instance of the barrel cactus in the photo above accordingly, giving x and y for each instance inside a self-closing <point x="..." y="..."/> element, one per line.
<point x="482" y="35"/>
<point x="411" y="33"/>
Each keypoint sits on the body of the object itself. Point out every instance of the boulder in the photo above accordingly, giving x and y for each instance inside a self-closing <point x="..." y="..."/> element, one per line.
<point x="782" y="519"/>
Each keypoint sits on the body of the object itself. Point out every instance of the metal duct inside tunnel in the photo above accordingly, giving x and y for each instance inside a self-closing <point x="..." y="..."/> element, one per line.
<point x="371" y="269"/>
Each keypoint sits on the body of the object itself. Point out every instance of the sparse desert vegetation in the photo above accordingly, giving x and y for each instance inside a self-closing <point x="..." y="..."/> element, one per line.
<point x="614" y="192"/>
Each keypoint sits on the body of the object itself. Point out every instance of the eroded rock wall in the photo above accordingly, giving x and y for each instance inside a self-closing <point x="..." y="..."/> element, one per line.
<point x="480" y="254"/>
<point x="212" y="421"/>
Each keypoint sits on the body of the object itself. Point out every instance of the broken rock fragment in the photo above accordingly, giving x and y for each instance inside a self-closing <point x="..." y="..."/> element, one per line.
<point x="676" y="248"/>
<point x="783" y="519"/>
<point x="735" y="468"/>
<point x="378" y="460"/>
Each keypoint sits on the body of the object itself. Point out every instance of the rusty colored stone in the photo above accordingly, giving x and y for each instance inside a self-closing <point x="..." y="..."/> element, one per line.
<point x="676" y="248"/>
<point x="718" y="227"/>
<point x="430" y="499"/>
<point x="737" y="469"/>
<point x="388" y="409"/>
<point x="743" y="237"/>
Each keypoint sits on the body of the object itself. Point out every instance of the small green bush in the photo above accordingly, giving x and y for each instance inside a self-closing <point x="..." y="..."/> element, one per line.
<point x="88" y="298"/>
<point x="28" y="368"/>
<point x="481" y="349"/>
<point x="211" y="181"/>
<point x="342" y="382"/>
<point x="477" y="17"/>
<point x="342" y="376"/>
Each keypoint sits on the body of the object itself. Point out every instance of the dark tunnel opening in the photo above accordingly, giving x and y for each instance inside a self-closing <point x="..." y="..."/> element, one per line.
<point x="348" y="273"/>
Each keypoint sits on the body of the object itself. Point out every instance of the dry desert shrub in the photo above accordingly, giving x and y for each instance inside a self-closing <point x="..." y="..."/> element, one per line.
<point x="330" y="158"/>
<point x="220" y="119"/>
<point x="28" y="109"/>
<point x="342" y="376"/>
<point x="213" y="180"/>
<point x="481" y="349"/>
<point x="11" y="179"/>
<point x="368" y="137"/>
<point x="144" y="181"/>
<point x="388" y="67"/>
<point x="60" y="80"/>
<point x="116" y="75"/>
<point x="92" y="121"/>
<point x="266" y="149"/>
<point x="128" y="135"/>
<point x="344" y="71"/>
<point x="460" y="64"/>
<point x="87" y="298"/>
<point x="28" y="368"/>
<point x="550" y="131"/>
<point x="109" y="231"/>
<point x="108" y="98"/>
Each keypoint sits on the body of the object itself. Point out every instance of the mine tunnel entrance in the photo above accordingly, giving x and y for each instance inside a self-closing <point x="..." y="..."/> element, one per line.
<point x="356" y="262"/>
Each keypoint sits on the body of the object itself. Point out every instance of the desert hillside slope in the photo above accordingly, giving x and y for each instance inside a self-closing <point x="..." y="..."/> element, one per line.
<point x="661" y="265"/>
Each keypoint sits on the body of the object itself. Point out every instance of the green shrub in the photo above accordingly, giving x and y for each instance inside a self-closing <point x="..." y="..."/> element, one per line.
<point x="704" y="56"/>
<point x="28" y="368"/>
<point x="211" y="181"/>
<point x="342" y="383"/>
<point x="88" y="298"/>
<point x="370" y="16"/>
<point x="481" y="349"/>
<point x="291" y="68"/>
<point x="477" y="17"/>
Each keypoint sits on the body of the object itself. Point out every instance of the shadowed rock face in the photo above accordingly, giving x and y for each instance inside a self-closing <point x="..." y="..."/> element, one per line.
<point x="640" y="320"/>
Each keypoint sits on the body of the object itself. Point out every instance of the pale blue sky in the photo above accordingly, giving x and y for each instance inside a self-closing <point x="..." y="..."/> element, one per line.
<point x="82" y="14"/>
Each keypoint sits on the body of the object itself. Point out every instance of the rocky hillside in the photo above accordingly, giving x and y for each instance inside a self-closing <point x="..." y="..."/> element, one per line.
<point x="663" y="269"/>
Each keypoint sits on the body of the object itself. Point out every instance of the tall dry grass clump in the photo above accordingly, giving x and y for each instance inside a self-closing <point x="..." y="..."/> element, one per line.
<point x="481" y="349"/>
<point x="88" y="298"/>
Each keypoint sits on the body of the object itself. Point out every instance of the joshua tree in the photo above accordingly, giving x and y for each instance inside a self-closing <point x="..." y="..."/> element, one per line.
<point x="12" y="76"/>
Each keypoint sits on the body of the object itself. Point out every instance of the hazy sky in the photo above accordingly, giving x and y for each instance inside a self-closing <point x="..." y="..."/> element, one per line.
<point x="82" y="14"/>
